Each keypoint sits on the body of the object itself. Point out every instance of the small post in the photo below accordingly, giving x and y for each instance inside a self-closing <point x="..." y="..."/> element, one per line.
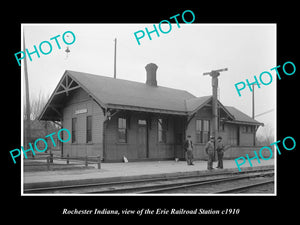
<point x="68" y="158"/>
<point x="86" y="161"/>
<point x="51" y="157"/>
<point x="48" y="162"/>
<point x="99" y="162"/>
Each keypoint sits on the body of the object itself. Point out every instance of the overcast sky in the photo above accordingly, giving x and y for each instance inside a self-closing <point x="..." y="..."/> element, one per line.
<point x="182" y="56"/>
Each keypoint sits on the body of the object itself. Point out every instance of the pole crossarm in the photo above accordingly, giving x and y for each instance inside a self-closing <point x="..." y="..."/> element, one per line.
<point x="213" y="72"/>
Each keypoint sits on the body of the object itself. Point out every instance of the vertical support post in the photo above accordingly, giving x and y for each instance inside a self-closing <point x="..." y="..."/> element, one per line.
<point x="68" y="158"/>
<point x="104" y="136"/>
<point x="61" y="143"/>
<point x="254" y="135"/>
<point x="99" y="162"/>
<point x="214" y="82"/>
<point x="147" y="137"/>
<point x="253" y="116"/>
<point x="215" y="108"/>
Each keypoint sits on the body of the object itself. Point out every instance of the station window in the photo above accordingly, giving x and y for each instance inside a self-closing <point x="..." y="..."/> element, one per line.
<point x="88" y="129"/>
<point x="162" y="125"/>
<point x="244" y="129"/>
<point x="178" y="131"/>
<point x="233" y="136"/>
<point x="122" y="130"/>
<point x="74" y="129"/>
<point x="202" y="131"/>
<point x="222" y="127"/>
<point x="247" y="129"/>
<point x="142" y="122"/>
<point x="250" y="129"/>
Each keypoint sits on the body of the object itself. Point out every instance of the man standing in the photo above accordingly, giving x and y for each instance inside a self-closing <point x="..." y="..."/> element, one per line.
<point x="209" y="149"/>
<point x="220" y="152"/>
<point x="188" y="147"/>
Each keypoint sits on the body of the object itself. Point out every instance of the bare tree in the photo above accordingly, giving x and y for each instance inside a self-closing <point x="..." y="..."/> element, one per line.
<point x="37" y="104"/>
<point x="39" y="129"/>
<point x="266" y="136"/>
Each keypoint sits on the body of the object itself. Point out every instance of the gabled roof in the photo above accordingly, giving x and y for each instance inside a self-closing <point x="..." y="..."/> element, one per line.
<point x="241" y="117"/>
<point x="123" y="94"/>
<point x="194" y="104"/>
<point x="117" y="92"/>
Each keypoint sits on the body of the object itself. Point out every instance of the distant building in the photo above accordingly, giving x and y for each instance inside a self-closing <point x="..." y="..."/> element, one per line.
<point x="115" y="118"/>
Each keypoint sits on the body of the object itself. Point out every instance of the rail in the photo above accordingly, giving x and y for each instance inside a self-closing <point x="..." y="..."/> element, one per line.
<point x="150" y="185"/>
<point x="245" y="187"/>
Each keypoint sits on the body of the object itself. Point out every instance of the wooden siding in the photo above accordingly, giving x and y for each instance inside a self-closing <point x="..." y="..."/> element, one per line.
<point x="245" y="140"/>
<point x="78" y="100"/>
<point x="114" y="151"/>
<point x="136" y="148"/>
<point x="238" y="151"/>
<point x="204" y="113"/>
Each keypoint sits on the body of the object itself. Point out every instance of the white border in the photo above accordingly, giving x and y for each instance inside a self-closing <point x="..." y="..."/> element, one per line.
<point x="22" y="122"/>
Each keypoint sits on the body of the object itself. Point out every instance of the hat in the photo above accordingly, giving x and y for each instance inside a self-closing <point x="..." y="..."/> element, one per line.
<point x="219" y="137"/>
<point x="212" y="137"/>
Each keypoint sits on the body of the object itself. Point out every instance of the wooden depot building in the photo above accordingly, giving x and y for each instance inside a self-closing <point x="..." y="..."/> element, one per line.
<point x="115" y="118"/>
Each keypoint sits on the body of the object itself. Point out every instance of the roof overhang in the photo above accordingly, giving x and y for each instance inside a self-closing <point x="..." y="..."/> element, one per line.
<point x="67" y="84"/>
<point x="208" y="102"/>
<point x="244" y="122"/>
<point x="144" y="109"/>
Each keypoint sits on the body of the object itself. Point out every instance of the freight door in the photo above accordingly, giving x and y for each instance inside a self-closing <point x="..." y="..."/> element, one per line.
<point x="142" y="139"/>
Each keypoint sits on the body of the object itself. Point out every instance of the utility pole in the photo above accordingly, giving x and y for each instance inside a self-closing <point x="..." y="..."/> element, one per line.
<point x="253" y="101"/>
<point x="253" y="106"/>
<point x="253" y="112"/>
<point x="115" y="60"/>
<point x="27" y="135"/>
<point x="214" y="82"/>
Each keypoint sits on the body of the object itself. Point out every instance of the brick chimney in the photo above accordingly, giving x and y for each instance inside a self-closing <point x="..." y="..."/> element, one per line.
<point x="151" y="74"/>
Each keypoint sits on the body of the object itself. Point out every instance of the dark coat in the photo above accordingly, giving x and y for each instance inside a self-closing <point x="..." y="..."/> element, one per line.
<point x="209" y="147"/>
<point x="220" y="146"/>
<point x="186" y="145"/>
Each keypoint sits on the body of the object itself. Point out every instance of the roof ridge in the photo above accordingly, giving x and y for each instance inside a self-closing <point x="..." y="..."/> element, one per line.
<point x="120" y="79"/>
<point x="138" y="96"/>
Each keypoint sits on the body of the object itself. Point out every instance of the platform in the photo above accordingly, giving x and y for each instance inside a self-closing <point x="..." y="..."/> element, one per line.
<point x="123" y="171"/>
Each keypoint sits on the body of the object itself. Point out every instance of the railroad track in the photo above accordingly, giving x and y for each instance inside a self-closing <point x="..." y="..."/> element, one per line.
<point x="244" y="188"/>
<point x="157" y="185"/>
<point x="198" y="185"/>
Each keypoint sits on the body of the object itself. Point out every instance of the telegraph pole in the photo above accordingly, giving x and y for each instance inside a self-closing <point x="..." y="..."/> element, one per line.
<point x="253" y="105"/>
<point x="214" y="82"/>
<point x="253" y="112"/>
<point x="115" y="60"/>
<point x="27" y="124"/>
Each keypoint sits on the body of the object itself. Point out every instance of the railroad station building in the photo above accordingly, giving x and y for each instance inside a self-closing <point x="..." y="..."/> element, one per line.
<point x="141" y="121"/>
